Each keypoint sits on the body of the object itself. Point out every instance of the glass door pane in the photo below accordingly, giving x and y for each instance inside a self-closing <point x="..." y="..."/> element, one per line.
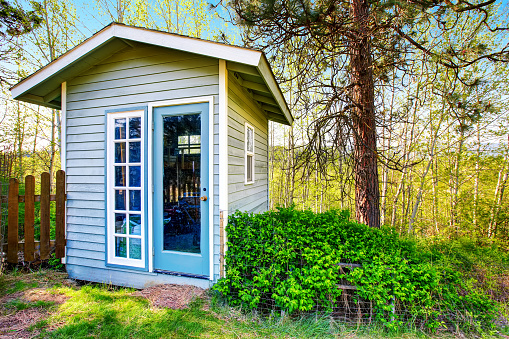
<point x="181" y="183"/>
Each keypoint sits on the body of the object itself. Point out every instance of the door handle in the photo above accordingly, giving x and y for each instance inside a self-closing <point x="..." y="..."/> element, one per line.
<point x="204" y="198"/>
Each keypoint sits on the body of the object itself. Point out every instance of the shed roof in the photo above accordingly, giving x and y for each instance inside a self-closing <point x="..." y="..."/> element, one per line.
<point x="251" y="67"/>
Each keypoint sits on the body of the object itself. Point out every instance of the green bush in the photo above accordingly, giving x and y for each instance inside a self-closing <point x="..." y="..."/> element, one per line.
<point x="286" y="260"/>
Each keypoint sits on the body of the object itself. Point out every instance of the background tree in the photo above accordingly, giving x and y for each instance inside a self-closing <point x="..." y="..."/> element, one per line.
<point x="14" y="22"/>
<point x="356" y="45"/>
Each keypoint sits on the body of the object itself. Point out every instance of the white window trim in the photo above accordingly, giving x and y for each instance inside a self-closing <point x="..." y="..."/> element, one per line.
<point x="246" y="153"/>
<point x="150" y="148"/>
<point x="112" y="259"/>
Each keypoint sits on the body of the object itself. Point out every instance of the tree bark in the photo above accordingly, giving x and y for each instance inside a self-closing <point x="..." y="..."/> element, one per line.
<point x="499" y="195"/>
<point x="367" y="191"/>
<point x="477" y="175"/>
<point x="456" y="184"/>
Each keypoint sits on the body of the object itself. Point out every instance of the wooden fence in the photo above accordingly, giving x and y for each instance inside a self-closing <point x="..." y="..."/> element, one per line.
<point x="29" y="245"/>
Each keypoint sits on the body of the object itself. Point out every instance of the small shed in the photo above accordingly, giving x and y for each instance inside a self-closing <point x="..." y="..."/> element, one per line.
<point x="162" y="137"/>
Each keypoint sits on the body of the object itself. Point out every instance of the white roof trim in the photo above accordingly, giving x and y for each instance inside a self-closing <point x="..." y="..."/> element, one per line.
<point x="186" y="44"/>
<point x="266" y="73"/>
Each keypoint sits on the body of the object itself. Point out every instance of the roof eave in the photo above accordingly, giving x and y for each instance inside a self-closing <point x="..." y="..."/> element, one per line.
<point x="59" y="67"/>
<point x="269" y="78"/>
<point x="163" y="39"/>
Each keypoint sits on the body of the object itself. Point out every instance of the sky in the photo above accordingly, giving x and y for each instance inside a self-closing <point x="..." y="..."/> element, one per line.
<point x="91" y="20"/>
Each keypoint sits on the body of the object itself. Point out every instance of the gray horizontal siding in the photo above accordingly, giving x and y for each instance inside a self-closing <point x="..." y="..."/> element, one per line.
<point x="85" y="245"/>
<point x="242" y="109"/>
<point x="88" y="146"/>
<point x="121" y="80"/>
<point x="84" y="237"/>
<point x="84" y="107"/>
<point x="86" y="220"/>
<point x="91" y="99"/>
<point x="127" y="79"/>
<point x="91" y="204"/>
<point x="95" y="230"/>
<point x="85" y="253"/>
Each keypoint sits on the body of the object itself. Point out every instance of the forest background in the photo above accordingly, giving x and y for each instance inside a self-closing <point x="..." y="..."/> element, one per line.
<point x="443" y="143"/>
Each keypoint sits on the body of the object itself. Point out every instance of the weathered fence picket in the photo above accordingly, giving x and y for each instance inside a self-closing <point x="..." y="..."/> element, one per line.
<point x="29" y="198"/>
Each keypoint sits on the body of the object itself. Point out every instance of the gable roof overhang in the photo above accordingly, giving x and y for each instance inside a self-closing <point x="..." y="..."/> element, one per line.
<point x="251" y="66"/>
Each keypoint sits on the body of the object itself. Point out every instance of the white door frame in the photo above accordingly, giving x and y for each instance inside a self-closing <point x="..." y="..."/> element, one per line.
<point x="150" y="141"/>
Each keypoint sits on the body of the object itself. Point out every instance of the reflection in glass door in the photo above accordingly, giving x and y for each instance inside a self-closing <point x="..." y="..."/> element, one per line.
<point x="181" y="183"/>
<point x="181" y="206"/>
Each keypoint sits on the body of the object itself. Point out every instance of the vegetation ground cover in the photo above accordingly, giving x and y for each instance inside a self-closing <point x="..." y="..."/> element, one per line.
<point x="287" y="261"/>
<point x="67" y="310"/>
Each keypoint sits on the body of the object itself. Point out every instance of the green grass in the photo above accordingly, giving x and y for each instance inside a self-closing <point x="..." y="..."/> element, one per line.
<point x="102" y="311"/>
<point x="21" y="305"/>
<point x="96" y="311"/>
<point x="20" y="286"/>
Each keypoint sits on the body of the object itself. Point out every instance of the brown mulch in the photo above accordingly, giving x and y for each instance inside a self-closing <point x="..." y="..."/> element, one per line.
<point x="39" y="294"/>
<point x="16" y="324"/>
<point x="175" y="297"/>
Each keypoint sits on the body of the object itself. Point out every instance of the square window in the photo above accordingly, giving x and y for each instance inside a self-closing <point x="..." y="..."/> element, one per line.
<point x="135" y="248"/>
<point x="120" y="200"/>
<point x="135" y="151"/>
<point x="135" y="200"/>
<point x="119" y="176"/>
<point x="134" y="176"/>
<point x="120" y="223"/>
<point x="135" y="128"/>
<point x="119" y="129"/>
<point x="134" y="224"/>
<point x="120" y="152"/>
<point x="121" y="247"/>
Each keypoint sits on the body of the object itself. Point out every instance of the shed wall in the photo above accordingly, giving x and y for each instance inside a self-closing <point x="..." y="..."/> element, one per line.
<point x="133" y="77"/>
<point x="241" y="109"/>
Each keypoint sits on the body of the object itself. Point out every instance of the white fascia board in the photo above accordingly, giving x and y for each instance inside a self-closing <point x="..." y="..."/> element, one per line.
<point x="168" y="40"/>
<point x="271" y="83"/>
<point x="188" y="44"/>
<point x="62" y="62"/>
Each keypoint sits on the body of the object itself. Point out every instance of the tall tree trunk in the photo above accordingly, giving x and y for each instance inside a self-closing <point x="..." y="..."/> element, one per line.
<point x="418" y="199"/>
<point x="396" y="198"/>
<point x="477" y="174"/>
<point x="386" y="146"/>
<point x="52" y="145"/>
<point x="20" y="134"/>
<point x="290" y="171"/>
<point x="434" y="177"/>
<point x="456" y="184"/>
<point x="499" y="195"/>
<point x="367" y="191"/>
<point x="423" y="180"/>
<point x="36" y="135"/>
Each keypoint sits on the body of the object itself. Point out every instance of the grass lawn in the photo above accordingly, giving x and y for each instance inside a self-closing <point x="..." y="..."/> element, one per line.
<point x="45" y="304"/>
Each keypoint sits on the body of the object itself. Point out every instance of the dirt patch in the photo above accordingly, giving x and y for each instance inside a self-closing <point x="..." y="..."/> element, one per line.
<point x="175" y="297"/>
<point x="16" y="325"/>
<point x="9" y="297"/>
<point x="40" y="294"/>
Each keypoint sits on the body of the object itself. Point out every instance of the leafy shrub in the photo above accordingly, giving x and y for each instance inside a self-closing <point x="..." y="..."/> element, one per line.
<point x="287" y="260"/>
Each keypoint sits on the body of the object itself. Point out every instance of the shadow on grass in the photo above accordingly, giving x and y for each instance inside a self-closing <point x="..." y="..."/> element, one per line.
<point x="99" y="312"/>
